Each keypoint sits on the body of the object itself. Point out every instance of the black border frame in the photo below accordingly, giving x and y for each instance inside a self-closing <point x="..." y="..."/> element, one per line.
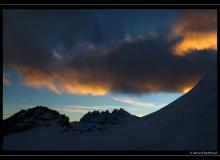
<point x="107" y="6"/>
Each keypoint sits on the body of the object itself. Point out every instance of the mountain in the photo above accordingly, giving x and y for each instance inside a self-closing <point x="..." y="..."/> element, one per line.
<point x="116" y="117"/>
<point x="43" y="117"/>
<point x="102" y="120"/>
<point x="43" y="127"/>
<point x="36" y="117"/>
<point x="188" y="123"/>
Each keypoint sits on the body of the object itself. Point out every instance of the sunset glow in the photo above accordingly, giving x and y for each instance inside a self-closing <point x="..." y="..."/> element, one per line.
<point x="85" y="89"/>
<point x="187" y="89"/>
<point x="195" y="42"/>
<point x="197" y="31"/>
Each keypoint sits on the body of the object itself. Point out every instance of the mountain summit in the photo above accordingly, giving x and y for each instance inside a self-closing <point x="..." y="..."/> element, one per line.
<point x="105" y="117"/>
<point x="32" y="118"/>
<point x="101" y="121"/>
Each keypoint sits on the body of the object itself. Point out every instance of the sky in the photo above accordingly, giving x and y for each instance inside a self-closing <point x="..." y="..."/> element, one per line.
<point x="75" y="61"/>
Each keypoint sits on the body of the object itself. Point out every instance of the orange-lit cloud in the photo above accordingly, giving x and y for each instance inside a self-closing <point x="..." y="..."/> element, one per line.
<point x="91" y="89"/>
<point x="80" y="83"/>
<point x="60" y="82"/>
<point x="6" y="80"/>
<point x="198" y="31"/>
<point x="118" y="71"/>
<point x="37" y="78"/>
<point x="74" y="81"/>
<point x="196" y="41"/>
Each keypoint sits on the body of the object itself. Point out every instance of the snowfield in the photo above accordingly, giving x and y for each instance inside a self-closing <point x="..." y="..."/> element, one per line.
<point x="188" y="123"/>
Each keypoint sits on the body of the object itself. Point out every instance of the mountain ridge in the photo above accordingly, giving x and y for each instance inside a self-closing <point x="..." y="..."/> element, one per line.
<point x="41" y="116"/>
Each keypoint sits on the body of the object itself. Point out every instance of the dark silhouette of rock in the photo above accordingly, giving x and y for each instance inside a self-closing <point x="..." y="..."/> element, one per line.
<point x="35" y="117"/>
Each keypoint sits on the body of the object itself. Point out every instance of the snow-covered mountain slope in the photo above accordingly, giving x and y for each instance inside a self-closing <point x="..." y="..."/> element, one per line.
<point x="188" y="123"/>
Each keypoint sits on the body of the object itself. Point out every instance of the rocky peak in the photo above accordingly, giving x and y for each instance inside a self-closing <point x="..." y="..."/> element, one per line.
<point x="105" y="117"/>
<point x="38" y="116"/>
<point x="121" y="111"/>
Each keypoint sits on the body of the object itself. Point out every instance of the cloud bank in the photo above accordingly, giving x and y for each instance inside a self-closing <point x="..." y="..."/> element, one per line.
<point x="133" y="65"/>
<point x="198" y="31"/>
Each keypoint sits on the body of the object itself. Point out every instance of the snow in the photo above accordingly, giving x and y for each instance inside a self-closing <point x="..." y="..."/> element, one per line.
<point x="188" y="123"/>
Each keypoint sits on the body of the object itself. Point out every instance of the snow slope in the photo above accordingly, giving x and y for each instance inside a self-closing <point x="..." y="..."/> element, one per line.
<point x="188" y="123"/>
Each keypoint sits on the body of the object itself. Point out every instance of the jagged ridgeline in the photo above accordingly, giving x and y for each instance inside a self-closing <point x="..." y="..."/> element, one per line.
<point x="35" y="117"/>
<point x="105" y="117"/>
<point x="43" y="117"/>
<point x="101" y="121"/>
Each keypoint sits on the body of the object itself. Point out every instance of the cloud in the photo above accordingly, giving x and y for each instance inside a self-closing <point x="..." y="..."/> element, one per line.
<point x="197" y="30"/>
<point x="37" y="78"/>
<point x="84" y="109"/>
<point x="71" y="110"/>
<point x="81" y="28"/>
<point x="132" y="68"/>
<point x="5" y="80"/>
<point x="133" y="65"/>
<point x="135" y="102"/>
<point x="57" y="56"/>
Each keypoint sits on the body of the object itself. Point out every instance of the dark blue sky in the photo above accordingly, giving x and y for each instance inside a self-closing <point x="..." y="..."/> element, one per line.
<point x="81" y="60"/>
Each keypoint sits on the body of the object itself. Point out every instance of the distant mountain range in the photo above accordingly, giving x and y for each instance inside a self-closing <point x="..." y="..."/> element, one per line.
<point x="102" y="120"/>
<point x="188" y="123"/>
<point x="42" y="117"/>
